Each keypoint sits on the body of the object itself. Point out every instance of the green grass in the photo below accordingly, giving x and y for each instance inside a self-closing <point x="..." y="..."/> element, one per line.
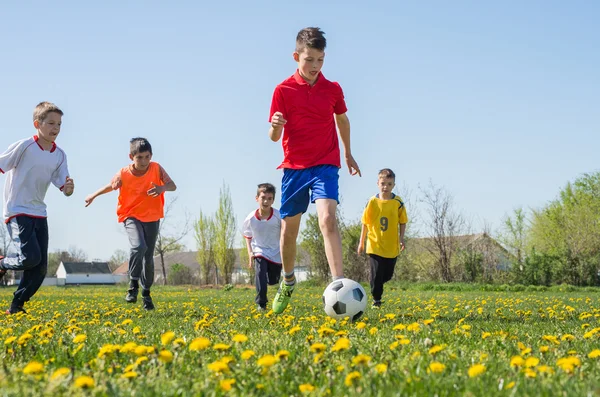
<point x="515" y="321"/>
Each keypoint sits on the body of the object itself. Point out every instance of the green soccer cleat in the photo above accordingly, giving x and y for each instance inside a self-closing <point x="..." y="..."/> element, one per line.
<point x="282" y="298"/>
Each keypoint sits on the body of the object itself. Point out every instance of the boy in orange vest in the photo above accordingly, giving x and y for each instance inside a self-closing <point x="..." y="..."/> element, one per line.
<point x="141" y="200"/>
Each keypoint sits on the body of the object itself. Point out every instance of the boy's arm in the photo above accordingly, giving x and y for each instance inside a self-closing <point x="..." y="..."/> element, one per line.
<point x="167" y="186"/>
<point x="344" y="127"/>
<point x="103" y="190"/>
<point x="9" y="159"/>
<point x="277" y="120"/>
<point x="402" y="230"/>
<point x="250" y="253"/>
<point x="361" y="242"/>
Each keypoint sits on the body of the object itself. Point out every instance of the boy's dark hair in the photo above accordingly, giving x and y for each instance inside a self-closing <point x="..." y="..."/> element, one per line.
<point x="42" y="110"/>
<point x="139" y="145"/>
<point x="265" y="188"/>
<point x="387" y="173"/>
<point x="311" y="38"/>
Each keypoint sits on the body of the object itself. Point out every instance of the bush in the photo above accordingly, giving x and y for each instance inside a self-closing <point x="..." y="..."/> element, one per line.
<point x="180" y="274"/>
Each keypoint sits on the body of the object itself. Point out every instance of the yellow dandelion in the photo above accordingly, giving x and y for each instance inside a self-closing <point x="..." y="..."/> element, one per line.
<point x="544" y="349"/>
<point x="59" y="373"/>
<point x="247" y="354"/>
<point x="485" y="335"/>
<point x="414" y="327"/>
<point x="129" y="375"/>
<point x="165" y="356"/>
<point x="351" y="377"/>
<point x="529" y="373"/>
<point x="510" y="385"/>
<point x="126" y="322"/>
<point x="136" y="330"/>
<point x="10" y="340"/>
<point x="517" y="361"/>
<point x="226" y="384"/>
<point x="532" y="362"/>
<point x="436" y="349"/>
<point x="318" y="347"/>
<point x="218" y="367"/>
<point x="544" y="369"/>
<point x="394" y="345"/>
<point x="437" y="367"/>
<point x="381" y="368"/>
<point x="568" y="338"/>
<point x="33" y="368"/>
<point x="306" y="388"/>
<point x="361" y="325"/>
<point x="476" y="370"/>
<point x="79" y="339"/>
<point x="221" y="346"/>
<point x="341" y="344"/>
<point x="140" y="351"/>
<point x="140" y="360"/>
<point x="294" y="330"/>
<point x="399" y="327"/>
<point x="361" y="359"/>
<point x="427" y="322"/>
<point x="199" y="344"/>
<point x="84" y="382"/>
<point x="239" y="338"/>
<point x="267" y="361"/>
<point x="594" y="353"/>
<point x="373" y="331"/>
<point x="282" y="354"/>
<point x="167" y="337"/>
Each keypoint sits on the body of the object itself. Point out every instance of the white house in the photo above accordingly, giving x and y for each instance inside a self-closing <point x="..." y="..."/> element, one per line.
<point x="84" y="273"/>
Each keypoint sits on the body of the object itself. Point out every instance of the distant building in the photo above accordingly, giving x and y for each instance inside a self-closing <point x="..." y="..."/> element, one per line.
<point x="69" y="273"/>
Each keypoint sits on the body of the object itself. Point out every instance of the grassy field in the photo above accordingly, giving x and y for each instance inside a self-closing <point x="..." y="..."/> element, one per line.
<point x="88" y="341"/>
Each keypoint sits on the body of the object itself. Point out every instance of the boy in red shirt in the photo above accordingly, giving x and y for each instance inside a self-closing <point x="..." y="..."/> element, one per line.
<point x="141" y="186"/>
<point x="307" y="107"/>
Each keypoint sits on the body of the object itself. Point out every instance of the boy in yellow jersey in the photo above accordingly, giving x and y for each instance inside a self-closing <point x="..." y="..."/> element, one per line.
<point x="384" y="221"/>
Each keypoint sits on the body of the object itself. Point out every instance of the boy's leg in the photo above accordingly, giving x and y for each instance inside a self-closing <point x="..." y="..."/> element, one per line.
<point x="138" y="248"/>
<point x="150" y="236"/>
<point x="390" y="266"/>
<point x="326" y="211"/>
<point x="273" y="273"/>
<point x="24" y="253"/>
<point x="36" y="275"/>
<point x="376" y="278"/>
<point x="260" y="270"/>
<point x="290" y="227"/>
<point x="325" y="193"/>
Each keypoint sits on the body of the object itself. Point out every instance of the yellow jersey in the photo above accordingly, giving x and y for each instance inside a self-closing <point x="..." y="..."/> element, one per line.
<point x="383" y="218"/>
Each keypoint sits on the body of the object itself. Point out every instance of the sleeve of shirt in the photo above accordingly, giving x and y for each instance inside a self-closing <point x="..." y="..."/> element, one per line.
<point x="164" y="177"/>
<point x="277" y="104"/>
<point x="340" y="103"/>
<point x="402" y="217"/>
<point x="247" y="229"/>
<point x="61" y="174"/>
<point x="10" y="158"/>
<point x="365" y="215"/>
<point x="116" y="181"/>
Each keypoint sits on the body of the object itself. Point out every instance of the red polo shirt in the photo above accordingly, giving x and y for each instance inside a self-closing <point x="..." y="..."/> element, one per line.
<point x="309" y="136"/>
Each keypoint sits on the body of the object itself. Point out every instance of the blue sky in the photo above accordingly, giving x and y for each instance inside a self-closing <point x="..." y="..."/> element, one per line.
<point x="496" y="101"/>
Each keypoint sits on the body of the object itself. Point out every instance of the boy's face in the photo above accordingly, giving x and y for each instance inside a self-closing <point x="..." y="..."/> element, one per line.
<point x="49" y="129"/>
<point x="141" y="160"/>
<point x="386" y="185"/>
<point x="310" y="61"/>
<point x="265" y="200"/>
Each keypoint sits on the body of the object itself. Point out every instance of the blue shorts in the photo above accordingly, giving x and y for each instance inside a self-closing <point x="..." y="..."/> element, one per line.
<point x="321" y="181"/>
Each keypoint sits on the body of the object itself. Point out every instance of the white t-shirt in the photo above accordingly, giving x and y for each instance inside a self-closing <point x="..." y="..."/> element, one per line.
<point x="29" y="170"/>
<point x="264" y="234"/>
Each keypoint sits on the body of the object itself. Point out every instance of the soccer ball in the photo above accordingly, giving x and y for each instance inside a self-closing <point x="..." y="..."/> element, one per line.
<point x="344" y="298"/>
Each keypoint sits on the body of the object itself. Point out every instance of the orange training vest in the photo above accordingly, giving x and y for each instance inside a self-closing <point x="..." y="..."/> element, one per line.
<point x="134" y="201"/>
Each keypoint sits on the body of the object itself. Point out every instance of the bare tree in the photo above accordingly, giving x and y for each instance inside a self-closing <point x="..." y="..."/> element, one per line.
<point x="168" y="239"/>
<point x="204" y="229"/>
<point x="514" y="235"/>
<point x="444" y="225"/>
<point x="225" y="231"/>
<point x="117" y="259"/>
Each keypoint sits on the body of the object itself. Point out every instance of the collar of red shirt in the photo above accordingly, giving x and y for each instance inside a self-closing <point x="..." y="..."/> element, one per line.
<point x="301" y="81"/>
<point x="257" y="214"/>
<point x="36" y="138"/>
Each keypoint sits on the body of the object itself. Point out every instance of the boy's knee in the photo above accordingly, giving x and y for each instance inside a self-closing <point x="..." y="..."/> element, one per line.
<point x="328" y="222"/>
<point x="139" y="249"/>
<point x="31" y="260"/>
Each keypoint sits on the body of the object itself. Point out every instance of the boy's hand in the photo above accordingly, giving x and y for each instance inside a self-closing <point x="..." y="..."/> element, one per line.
<point x="89" y="199"/>
<point x="155" y="190"/>
<point x="352" y="165"/>
<point x="402" y="246"/>
<point x="277" y="121"/>
<point x="250" y="261"/>
<point x="360" y="249"/>
<point x="69" y="187"/>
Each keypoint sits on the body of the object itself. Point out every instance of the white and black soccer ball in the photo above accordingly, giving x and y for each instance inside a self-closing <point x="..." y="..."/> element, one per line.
<point x="344" y="298"/>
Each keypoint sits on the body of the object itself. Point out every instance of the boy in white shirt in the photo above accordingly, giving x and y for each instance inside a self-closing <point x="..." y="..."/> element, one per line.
<point x="262" y="230"/>
<point x="30" y="166"/>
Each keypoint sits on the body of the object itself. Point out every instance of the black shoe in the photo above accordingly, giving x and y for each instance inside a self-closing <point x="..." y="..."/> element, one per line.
<point x="15" y="308"/>
<point x="132" y="294"/>
<point x="376" y="305"/>
<point x="147" y="303"/>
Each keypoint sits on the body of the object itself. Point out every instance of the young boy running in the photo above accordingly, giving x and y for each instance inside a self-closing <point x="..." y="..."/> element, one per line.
<point x="384" y="221"/>
<point x="141" y="186"/>
<point x="305" y="110"/>
<point x="262" y="229"/>
<point x="30" y="166"/>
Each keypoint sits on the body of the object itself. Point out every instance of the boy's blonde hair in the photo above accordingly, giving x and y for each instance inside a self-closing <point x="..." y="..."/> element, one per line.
<point x="42" y="110"/>
<point x="387" y="173"/>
